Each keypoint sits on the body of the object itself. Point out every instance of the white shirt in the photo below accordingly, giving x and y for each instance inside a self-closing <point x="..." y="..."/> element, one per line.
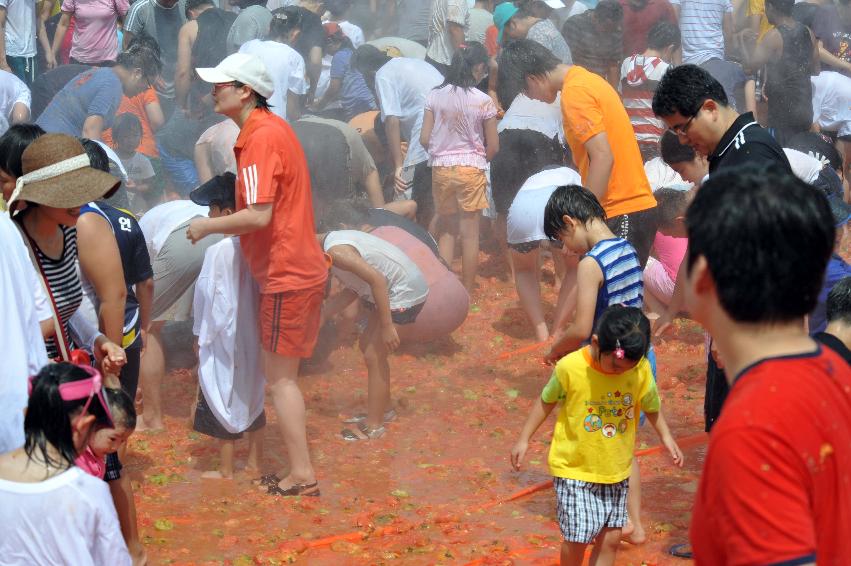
<point x="67" y="519"/>
<point x="406" y="47"/>
<point x="528" y="114"/>
<point x="353" y="32"/>
<point x="20" y="27"/>
<point x="12" y="91"/>
<point x="158" y="223"/>
<point x="701" y="27"/>
<point x="804" y="166"/>
<point x="401" y="87"/>
<point x="285" y="66"/>
<point x="226" y="306"/>
<point x="832" y="102"/>
<point x="23" y="304"/>
<point x="406" y="284"/>
<point x="660" y="174"/>
<point x="444" y="12"/>
<point x="525" y="221"/>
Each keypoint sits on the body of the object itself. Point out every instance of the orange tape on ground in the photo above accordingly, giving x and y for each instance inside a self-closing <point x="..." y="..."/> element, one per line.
<point x="523" y="350"/>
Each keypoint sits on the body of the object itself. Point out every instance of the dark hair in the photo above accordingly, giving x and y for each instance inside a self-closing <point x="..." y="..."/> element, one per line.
<point x="146" y="41"/>
<point x="766" y="236"/>
<point x="805" y="13"/>
<point x="839" y="302"/>
<point x="683" y="89"/>
<point x="517" y="61"/>
<point x="195" y="4"/>
<point x="783" y="7"/>
<point x="673" y="151"/>
<point x="664" y="34"/>
<point x="609" y="11"/>
<point x="338" y="7"/>
<point x="12" y="146"/>
<point x="126" y="124"/>
<point x="259" y="101"/>
<point x="816" y="145"/>
<point x="624" y="327"/>
<point x="97" y="155"/>
<point x="573" y="201"/>
<point x="670" y="203"/>
<point x="340" y="214"/>
<point x="48" y="417"/>
<point x="122" y="408"/>
<point x="229" y="199"/>
<point x="465" y="59"/>
<point x="143" y="58"/>
<point x="368" y="59"/>
<point x="284" y="20"/>
<point x="522" y="154"/>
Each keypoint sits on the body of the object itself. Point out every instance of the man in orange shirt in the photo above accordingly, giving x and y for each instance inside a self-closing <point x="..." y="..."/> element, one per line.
<point x="599" y="133"/>
<point x="275" y="221"/>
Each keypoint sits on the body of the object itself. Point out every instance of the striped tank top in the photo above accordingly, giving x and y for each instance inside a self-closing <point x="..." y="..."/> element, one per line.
<point x="623" y="281"/>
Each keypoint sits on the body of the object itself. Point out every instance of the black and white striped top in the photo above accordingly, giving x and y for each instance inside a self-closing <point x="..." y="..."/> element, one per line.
<point x="64" y="282"/>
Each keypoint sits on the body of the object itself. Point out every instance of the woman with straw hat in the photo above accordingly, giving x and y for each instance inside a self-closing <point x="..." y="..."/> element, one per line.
<point x="57" y="180"/>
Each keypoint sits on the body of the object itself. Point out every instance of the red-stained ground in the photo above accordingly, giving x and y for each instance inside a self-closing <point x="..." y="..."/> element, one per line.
<point x="420" y="494"/>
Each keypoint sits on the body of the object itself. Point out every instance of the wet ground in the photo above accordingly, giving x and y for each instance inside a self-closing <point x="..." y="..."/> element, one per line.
<point x="433" y="490"/>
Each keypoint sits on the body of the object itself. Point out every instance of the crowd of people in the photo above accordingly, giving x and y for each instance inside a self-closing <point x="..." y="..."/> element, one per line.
<point x="289" y="173"/>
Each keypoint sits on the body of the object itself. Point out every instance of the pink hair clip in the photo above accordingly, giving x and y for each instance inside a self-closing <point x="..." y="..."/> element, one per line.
<point x="619" y="353"/>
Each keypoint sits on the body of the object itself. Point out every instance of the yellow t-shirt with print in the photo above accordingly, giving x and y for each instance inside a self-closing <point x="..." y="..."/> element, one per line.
<point x="594" y="437"/>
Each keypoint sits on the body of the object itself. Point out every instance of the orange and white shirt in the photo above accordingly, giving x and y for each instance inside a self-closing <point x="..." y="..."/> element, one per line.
<point x="272" y="169"/>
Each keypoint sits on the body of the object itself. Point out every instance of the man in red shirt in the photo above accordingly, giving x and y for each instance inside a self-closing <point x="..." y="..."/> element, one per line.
<point x="639" y="17"/>
<point x="776" y="484"/>
<point x="275" y="221"/>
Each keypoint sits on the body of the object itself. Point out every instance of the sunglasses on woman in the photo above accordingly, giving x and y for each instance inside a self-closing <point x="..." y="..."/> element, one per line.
<point x="88" y="389"/>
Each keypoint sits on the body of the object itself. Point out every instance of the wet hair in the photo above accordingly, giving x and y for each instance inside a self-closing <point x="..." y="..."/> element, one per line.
<point x="684" y="89"/>
<point x="465" y="59"/>
<point x="574" y="201"/>
<point x="766" y="237"/>
<point x="48" y="418"/>
<point x="609" y="11"/>
<point x="259" y="101"/>
<point x="368" y="59"/>
<point x="195" y="4"/>
<point x="664" y="34"/>
<point x="338" y="8"/>
<point x="143" y="58"/>
<point x="517" y="61"/>
<point x="839" y="302"/>
<point x="782" y="7"/>
<point x="673" y="151"/>
<point x="97" y="155"/>
<point x="670" y="203"/>
<point x="126" y="124"/>
<point x="285" y="20"/>
<point x="340" y="214"/>
<point x="121" y="407"/>
<point x="522" y="154"/>
<point x="12" y="146"/>
<point x="147" y="41"/>
<point x="624" y="327"/>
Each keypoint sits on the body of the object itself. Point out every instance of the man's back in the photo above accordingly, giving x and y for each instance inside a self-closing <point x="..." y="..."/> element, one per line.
<point x="775" y="486"/>
<point x="96" y="92"/>
<point x="701" y="24"/>
<point x="590" y="49"/>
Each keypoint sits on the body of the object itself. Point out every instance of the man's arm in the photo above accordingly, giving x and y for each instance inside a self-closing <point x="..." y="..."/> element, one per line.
<point x="203" y="162"/>
<point x="255" y="217"/>
<point x="601" y="162"/>
<point x="59" y="35"/>
<point x="145" y="296"/>
<point x="20" y="113"/>
<point x="183" y="71"/>
<point x="3" y="64"/>
<point x="47" y="49"/>
<point x="93" y="127"/>
<point x="456" y="34"/>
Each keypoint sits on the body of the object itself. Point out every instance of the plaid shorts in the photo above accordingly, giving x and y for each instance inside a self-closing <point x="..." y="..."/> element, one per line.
<point x="584" y="508"/>
<point x="113" y="467"/>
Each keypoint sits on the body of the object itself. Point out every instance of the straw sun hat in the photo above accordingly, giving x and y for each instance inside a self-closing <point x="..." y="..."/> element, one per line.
<point x="57" y="173"/>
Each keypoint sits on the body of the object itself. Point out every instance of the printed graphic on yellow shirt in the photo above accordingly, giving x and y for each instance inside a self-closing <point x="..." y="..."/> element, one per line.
<point x="610" y="415"/>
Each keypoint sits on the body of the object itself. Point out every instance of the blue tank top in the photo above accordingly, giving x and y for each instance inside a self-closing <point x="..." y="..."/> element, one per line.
<point x="623" y="281"/>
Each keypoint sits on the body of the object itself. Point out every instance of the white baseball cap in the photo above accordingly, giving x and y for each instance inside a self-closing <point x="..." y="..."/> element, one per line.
<point x="555" y="3"/>
<point x="241" y="67"/>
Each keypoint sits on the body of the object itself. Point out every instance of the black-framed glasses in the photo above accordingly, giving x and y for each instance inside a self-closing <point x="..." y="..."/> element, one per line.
<point x="681" y="130"/>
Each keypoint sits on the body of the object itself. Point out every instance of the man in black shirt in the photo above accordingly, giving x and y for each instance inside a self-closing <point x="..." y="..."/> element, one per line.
<point x="694" y="106"/>
<point x="837" y="335"/>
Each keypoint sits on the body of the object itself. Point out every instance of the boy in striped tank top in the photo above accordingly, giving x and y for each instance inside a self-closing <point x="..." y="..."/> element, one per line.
<point x="609" y="273"/>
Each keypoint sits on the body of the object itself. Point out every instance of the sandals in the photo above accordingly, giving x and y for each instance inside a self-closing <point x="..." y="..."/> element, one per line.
<point x="299" y="489"/>
<point x="267" y="480"/>
<point x="681" y="551"/>
<point x="389" y="417"/>
<point x="366" y="433"/>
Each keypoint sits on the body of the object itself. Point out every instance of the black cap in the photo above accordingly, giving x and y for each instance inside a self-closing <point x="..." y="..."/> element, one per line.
<point x="220" y="189"/>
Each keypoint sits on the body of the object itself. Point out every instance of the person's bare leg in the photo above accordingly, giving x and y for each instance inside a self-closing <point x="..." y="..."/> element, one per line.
<point x="225" y="471"/>
<point x="566" y="303"/>
<point x="634" y="532"/>
<point x="572" y="553"/>
<point x="469" y="231"/>
<point x="378" y="373"/>
<point x="445" y="229"/>
<point x="151" y="372"/>
<point x="122" y="496"/>
<point x="501" y="232"/>
<point x="652" y="305"/>
<point x="282" y="376"/>
<point x="559" y="266"/>
<point x="529" y="291"/>
<point x="255" y="451"/>
<point x="605" y="548"/>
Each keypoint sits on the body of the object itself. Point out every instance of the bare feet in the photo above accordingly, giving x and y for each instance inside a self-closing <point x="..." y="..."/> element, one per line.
<point x="633" y="534"/>
<point x="215" y="475"/>
<point x="144" y="426"/>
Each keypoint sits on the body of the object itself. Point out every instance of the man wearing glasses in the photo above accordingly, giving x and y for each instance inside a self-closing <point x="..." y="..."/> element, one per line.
<point x="86" y="106"/>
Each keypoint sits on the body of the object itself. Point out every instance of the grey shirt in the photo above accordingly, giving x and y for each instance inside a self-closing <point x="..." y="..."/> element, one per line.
<point x="546" y="33"/>
<point x="163" y="24"/>
<point x="251" y="23"/>
<point x="414" y="17"/>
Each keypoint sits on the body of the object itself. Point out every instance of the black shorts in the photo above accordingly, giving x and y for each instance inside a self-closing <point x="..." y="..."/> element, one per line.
<point x="421" y="193"/>
<point x="113" y="467"/>
<point x="207" y="423"/>
<point x="829" y="182"/>
<point x="400" y="316"/>
<point x="637" y="228"/>
<point x="130" y="372"/>
<point x="716" y="393"/>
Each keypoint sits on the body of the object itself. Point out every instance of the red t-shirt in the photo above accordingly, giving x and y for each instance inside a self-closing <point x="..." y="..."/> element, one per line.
<point x="271" y="168"/>
<point x="638" y="23"/>
<point x="776" y="485"/>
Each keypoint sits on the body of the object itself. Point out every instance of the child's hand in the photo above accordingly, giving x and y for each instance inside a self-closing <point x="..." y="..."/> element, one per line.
<point x="518" y="452"/>
<point x="551" y="357"/>
<point x="111" y="357"/>
<point x="674" y="451"/>
<point x="390" y="338"/>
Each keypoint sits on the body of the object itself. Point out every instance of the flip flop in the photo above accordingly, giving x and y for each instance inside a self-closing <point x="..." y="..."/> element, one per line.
<point x="267" y="480"/>
<point x="299" y="489"/>
<point x="681" y="551"/>
<point x="389" y="417"/>
<point x="366" y="433"/>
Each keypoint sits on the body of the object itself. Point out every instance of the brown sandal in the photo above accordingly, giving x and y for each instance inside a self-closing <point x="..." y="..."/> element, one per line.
<point x="299" y="489"/>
